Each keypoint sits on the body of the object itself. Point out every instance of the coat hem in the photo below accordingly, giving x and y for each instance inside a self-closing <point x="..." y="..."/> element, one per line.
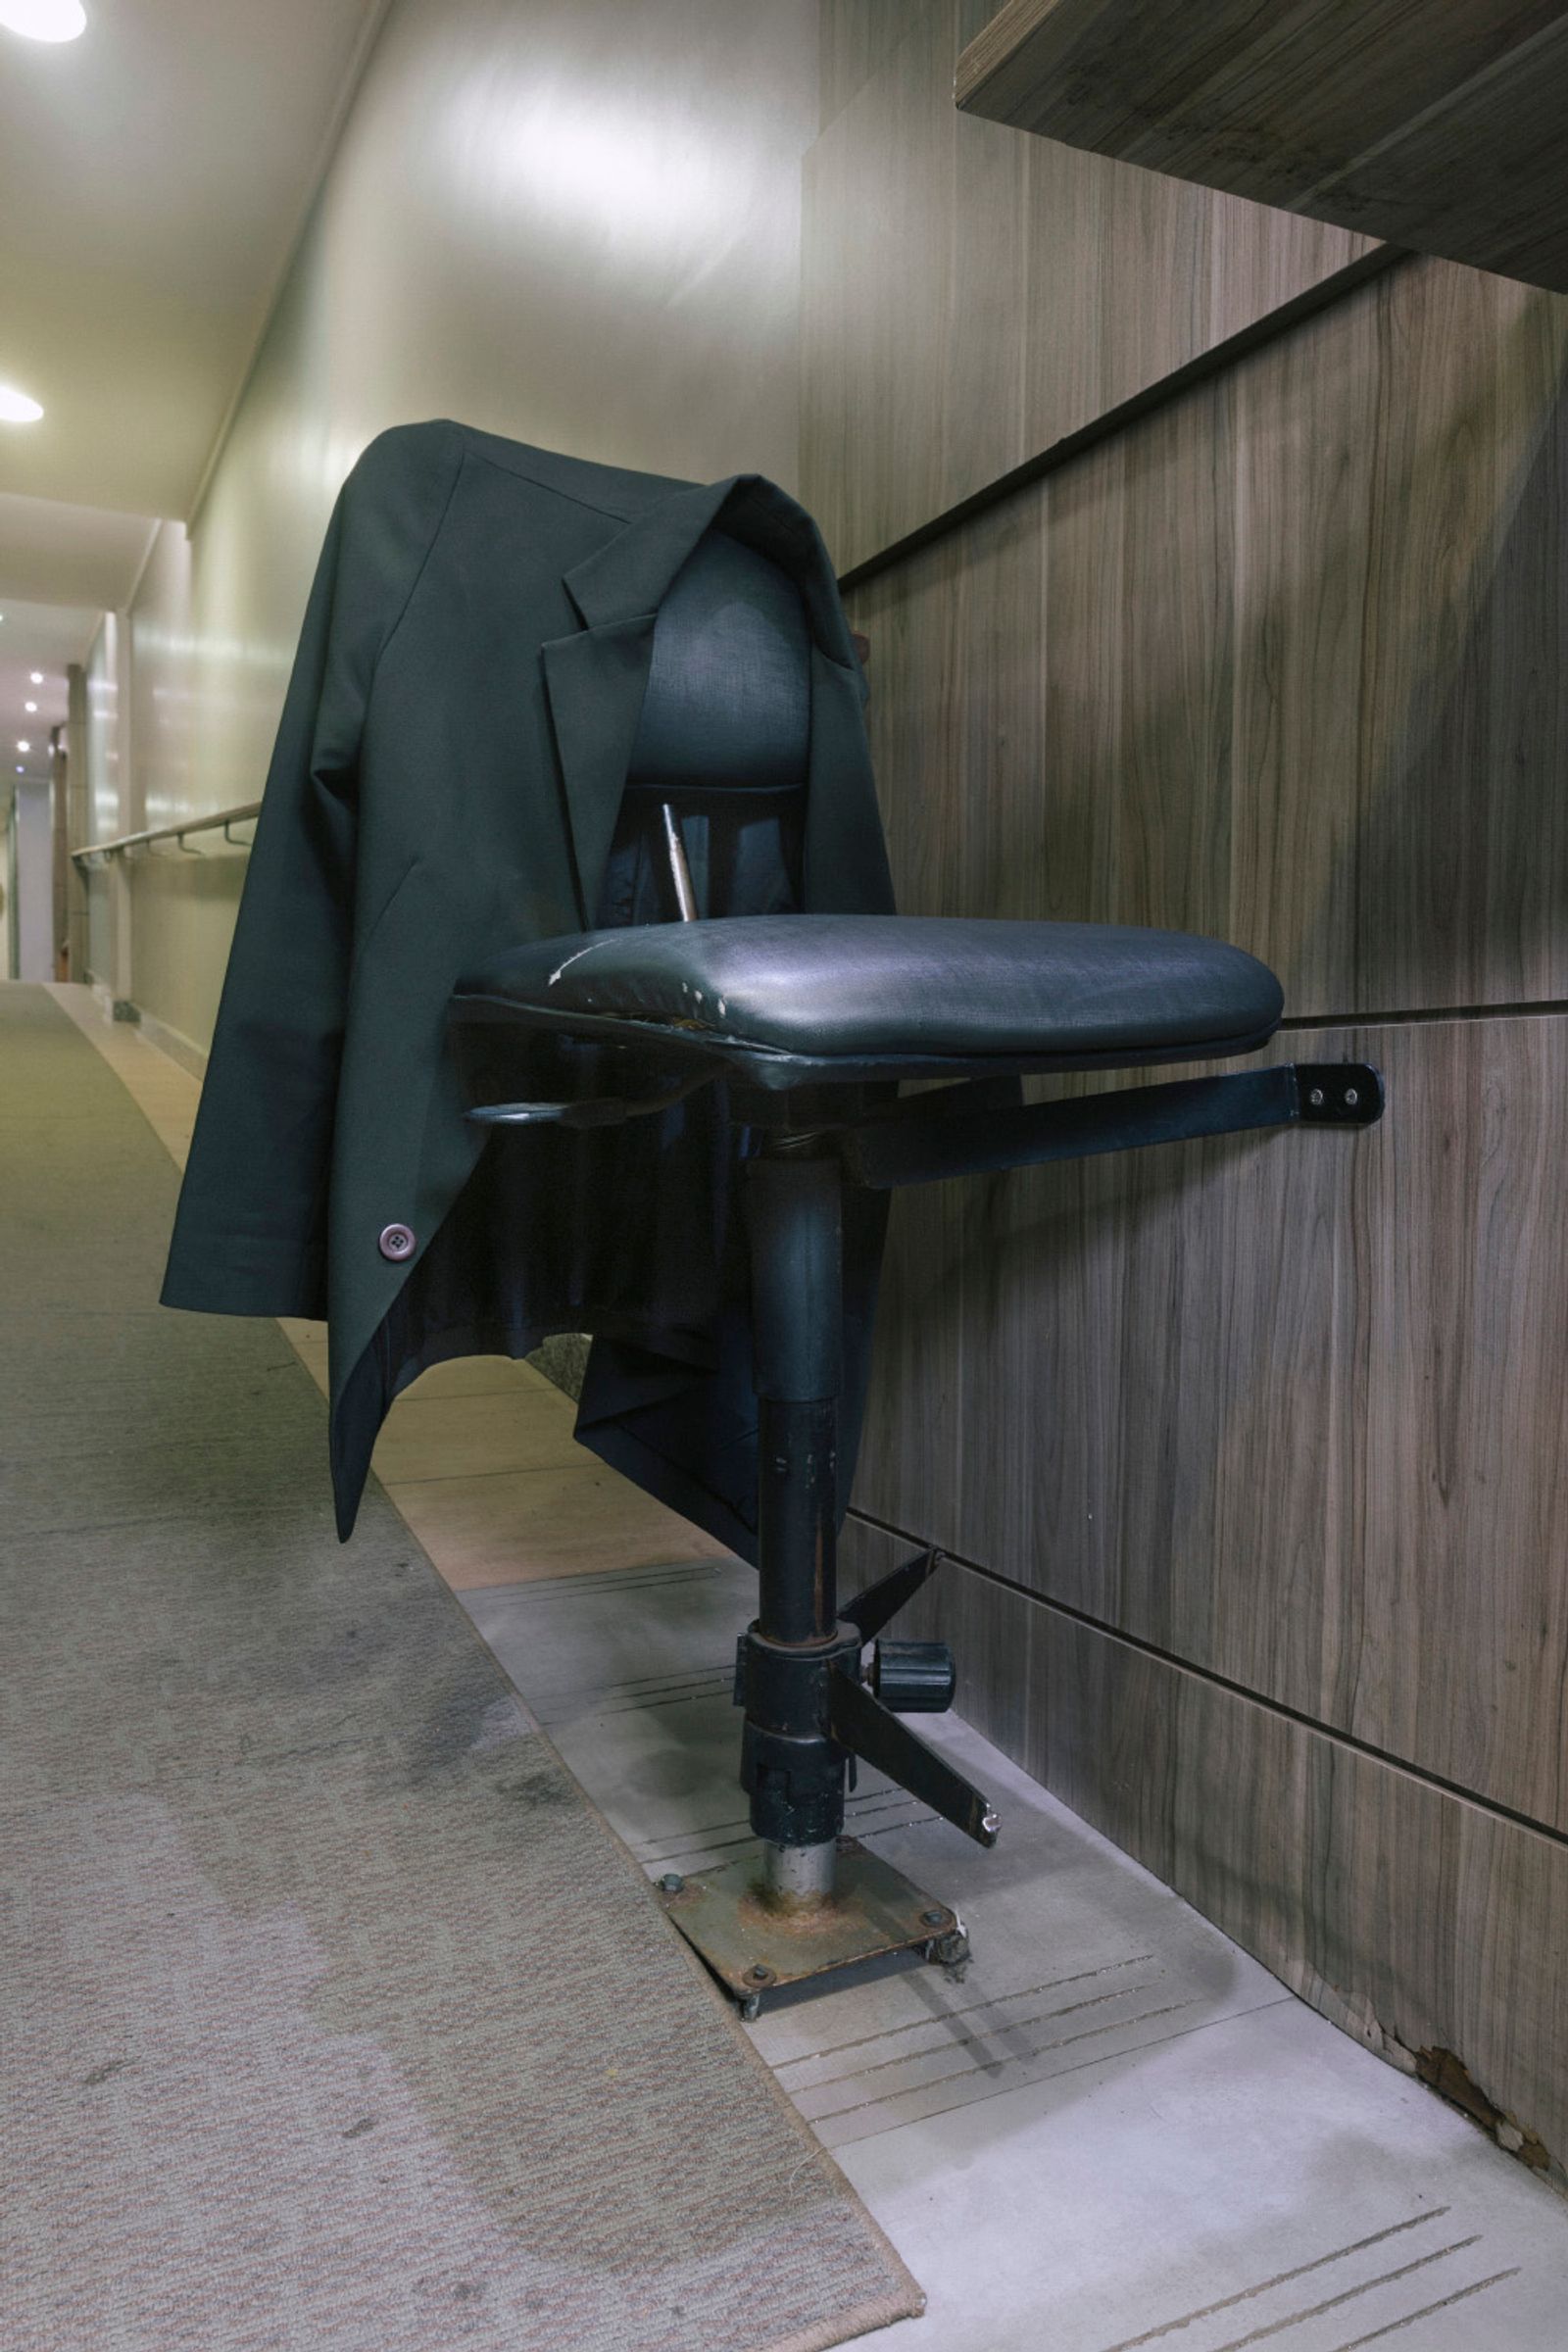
<point x="231" y="1293"/>
<point x="669" y="1484"/>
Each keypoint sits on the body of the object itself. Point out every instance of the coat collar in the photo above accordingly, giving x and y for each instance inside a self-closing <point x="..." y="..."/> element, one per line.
<point x="630" y="573"/>
<point x="595" y="679"/>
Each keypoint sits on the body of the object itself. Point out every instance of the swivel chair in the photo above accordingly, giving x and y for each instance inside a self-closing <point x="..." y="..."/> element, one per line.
<point x="810" y="1021"/>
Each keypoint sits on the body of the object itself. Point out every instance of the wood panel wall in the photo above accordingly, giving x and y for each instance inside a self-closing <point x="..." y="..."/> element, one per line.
<point x="1440" y="127"/>
<point x="971" y="297"/>
<point x="1253" y="1452"/>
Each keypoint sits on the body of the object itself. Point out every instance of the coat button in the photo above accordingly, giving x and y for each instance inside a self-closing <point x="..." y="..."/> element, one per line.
<point x="396" y="1242"/>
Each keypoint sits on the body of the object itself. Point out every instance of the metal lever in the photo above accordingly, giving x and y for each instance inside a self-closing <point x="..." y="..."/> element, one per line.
<point x="869" y="1730"/>
<point x="927" y="1147"/>
<point x="869" y="1611"/>
<point x="592" y="1110"/>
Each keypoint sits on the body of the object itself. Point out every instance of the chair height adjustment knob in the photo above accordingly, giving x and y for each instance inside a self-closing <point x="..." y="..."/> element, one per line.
<point x="914" y="1678"/>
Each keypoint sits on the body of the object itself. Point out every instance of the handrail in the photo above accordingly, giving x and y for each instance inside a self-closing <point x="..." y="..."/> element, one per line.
<point x="224" y="817"/>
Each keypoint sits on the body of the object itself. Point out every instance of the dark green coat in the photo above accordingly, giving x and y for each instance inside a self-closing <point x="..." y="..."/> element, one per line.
<point x="446" y="783"/>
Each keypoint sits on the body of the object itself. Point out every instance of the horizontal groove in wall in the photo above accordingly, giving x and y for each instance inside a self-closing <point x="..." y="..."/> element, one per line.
<point x="1221" y="1681"/>
<point x="1213" y="362"/>
<point x="1534" y="1010"/>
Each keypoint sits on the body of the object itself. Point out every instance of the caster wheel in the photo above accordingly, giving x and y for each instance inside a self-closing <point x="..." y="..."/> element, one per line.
<point x="950" y="1951"/>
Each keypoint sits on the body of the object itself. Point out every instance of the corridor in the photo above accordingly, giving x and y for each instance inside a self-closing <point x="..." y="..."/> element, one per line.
<point x="300" y="1987"/>
<point x="783" y="1088"/>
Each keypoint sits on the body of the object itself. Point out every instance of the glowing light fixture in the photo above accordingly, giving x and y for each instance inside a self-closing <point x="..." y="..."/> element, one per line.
<point x="44" y="20"/>
<point x="22" y="744"/>
<point x="36" y="675"/>
<point x="30" y="708"/>
<point x="14" y="407"/>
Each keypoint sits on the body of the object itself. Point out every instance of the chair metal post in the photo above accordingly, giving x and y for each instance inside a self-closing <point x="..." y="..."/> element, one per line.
<point x="795" y="1222"/>
<point x="820" y="1900"/>
<point x="791" y="1766"/>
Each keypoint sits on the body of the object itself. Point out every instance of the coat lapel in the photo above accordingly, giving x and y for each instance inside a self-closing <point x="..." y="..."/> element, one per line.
<point x="595" y="682"/>
<point x="597" y="678"/>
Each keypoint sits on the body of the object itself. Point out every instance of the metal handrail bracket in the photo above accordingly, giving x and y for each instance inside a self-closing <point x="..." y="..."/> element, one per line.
<point x="220" y="822"/>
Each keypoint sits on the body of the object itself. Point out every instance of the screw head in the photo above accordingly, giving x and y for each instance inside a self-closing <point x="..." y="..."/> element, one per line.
<point x="760" y="1974"/>
<point x="1351" y="1097"/>
<point x="933" y="1919"/>
<point x="1315" y="1098"/>
<point x="671" y="1883"/>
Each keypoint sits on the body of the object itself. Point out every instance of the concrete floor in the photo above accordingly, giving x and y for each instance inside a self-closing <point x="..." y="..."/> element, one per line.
<point x="1118" y="2131"/>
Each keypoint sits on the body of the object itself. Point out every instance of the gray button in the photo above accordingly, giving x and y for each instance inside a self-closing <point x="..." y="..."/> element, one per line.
<point x="396" y="1242"/>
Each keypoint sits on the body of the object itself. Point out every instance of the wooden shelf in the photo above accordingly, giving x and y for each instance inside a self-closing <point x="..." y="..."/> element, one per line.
<point x="1431" y="124"/>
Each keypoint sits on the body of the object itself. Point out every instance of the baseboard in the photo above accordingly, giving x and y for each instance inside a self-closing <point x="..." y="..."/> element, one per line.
<point x="179" y="1049"/>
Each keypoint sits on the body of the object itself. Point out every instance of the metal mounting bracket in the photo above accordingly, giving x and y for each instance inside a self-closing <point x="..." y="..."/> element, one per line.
<point x="962" y="1140"/>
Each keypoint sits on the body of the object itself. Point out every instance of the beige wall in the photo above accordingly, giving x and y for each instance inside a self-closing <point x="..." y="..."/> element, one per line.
<point x="573" y="221"/>
<point x="107" y="810"/>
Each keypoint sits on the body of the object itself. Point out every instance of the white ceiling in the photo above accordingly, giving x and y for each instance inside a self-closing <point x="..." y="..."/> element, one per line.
<point x="153" y="178"/>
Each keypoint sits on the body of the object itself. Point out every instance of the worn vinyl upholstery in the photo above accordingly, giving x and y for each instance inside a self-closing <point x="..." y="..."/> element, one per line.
<point x="877" y="990"/>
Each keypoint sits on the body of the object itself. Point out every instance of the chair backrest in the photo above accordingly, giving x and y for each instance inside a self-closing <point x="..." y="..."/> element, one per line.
<point x="728" y="701"/>
<point x="723" y="739"/>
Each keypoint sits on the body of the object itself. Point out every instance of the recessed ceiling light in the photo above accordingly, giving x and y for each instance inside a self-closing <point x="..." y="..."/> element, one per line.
<point x="44" y="20"/>
<point x="14" y="407"/>
<point x="22" y="744"/>
<point x="30" y="708"/>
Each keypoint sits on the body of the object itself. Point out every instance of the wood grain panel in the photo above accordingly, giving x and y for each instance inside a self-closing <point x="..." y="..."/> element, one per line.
<point x="853" y="38"/>
<point x="1309" y="441"/>
<point x="1295" y="679"/>
<point x="1291" y="1408"/>
<point x="878" y="199"/>
<point x="1400" y="720"/>
<point x="1173" y="791"/>
<point x="973" y="297"/>
<point x="1414" y="1918"/>
<point x="1255" y="1444"/>
<point x="1459" y="1493"/>
<point x="1437" y="127"/>
<point x="1465" y="502"/>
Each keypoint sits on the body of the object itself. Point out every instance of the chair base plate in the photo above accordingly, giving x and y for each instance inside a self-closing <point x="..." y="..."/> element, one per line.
<point x="754" y="1949"/>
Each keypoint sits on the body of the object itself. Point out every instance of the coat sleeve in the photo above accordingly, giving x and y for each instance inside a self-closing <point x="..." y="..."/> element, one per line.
<point x="250" y="1232"/>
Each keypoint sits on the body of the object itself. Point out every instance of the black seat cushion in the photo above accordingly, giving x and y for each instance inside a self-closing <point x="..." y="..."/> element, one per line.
<point x="846" y="993"/>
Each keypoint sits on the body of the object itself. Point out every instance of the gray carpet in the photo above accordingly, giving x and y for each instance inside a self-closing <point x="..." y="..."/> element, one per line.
<point x="335" y="2019"/>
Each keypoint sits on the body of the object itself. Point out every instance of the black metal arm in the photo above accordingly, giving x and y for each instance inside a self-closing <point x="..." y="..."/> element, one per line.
<point x="961" y="1140"/>
<point x="980" y="1127"/>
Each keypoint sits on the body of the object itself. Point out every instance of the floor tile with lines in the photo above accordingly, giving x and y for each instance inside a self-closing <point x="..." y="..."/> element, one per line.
<point x="1117" y="2134"/>
<point x="1118" y="2131"/>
